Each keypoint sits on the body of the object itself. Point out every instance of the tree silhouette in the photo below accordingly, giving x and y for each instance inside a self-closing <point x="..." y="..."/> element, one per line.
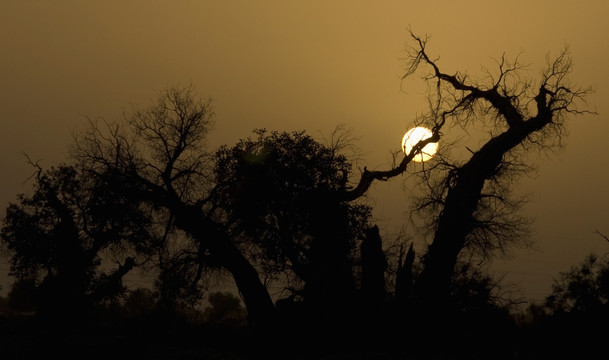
<point x="469" y="201"/>
<point x="278" y="191"/>
<point x="582" y="289"/>
<point x="571" y="321"/>
<point x="284" y="207"/>
<point x="161" y="151"/>
<point x="58" y="235"/>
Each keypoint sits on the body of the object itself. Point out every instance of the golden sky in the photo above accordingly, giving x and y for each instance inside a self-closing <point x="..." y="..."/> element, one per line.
<point x="308" y="65"/>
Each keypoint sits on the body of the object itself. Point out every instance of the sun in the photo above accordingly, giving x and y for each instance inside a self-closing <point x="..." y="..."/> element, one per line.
<point x="412" y="137"/>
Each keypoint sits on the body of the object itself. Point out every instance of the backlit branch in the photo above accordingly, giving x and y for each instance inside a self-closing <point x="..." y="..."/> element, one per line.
<point x="495" y="95"/>
<point x="369" y="176"/>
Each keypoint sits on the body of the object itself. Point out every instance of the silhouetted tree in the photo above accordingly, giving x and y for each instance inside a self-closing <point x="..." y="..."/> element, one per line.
<point x="474" y="291"/>
<point x="161" y="151"/>
<point x="404" y="277"/>
<point x="469" y="202"/>
<point x="279" y="191"/>
<point x="58" y="235"/>
<point x="582" y="289"/>
<point x="571" y="322"/>
<point x="374" y="265"/>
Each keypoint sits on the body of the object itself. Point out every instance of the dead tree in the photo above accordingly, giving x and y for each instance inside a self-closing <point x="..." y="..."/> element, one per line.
<point x="470" y="206"/>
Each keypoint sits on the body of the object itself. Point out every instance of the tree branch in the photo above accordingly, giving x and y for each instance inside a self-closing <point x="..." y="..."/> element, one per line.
<point x="602" y="235"/>
<point x="369" y="176"/>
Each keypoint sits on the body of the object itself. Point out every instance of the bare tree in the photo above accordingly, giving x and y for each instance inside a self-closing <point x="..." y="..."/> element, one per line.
<point x="161" y="150"/>
<point x="470" y="200"/>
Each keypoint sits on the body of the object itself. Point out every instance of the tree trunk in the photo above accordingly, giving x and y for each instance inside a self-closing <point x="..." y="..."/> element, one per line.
<point x="457" y="217"/>
<point x="404" y="277"/>
<point x="260" y="307"/>
<point x="374" y="264"/>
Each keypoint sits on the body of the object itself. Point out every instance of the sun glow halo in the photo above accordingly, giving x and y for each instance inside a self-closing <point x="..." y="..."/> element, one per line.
<point x="412" y="137"/>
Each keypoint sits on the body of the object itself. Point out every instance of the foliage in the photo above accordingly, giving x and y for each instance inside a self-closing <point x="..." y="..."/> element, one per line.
<point x="160" y="152"/>
<point x="582" y="289"/>
<point x="279" y="191"/>
<point x="58" y="235"/>
<point x="473" y="290"/>
<point x="158" y="155"/>
<point x="225" y="309"/>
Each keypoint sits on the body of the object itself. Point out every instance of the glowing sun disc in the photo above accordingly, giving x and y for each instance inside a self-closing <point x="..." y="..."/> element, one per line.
<point x="412" y="137"/>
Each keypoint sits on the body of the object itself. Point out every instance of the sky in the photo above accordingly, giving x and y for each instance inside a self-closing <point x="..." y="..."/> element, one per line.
<point x="310" y="65"/>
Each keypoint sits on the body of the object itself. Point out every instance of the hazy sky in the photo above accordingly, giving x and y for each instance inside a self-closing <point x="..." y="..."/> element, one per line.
<point x="308" y="65"/>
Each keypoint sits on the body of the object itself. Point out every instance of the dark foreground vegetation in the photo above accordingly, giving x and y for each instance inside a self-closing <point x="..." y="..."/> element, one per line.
<point x="284" y="211"/>
<point x="222" y="333"/>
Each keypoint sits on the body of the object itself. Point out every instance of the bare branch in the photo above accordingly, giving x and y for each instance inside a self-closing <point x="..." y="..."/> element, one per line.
<point x="369" y="176"/>
<point x="602" y="235"/>
<point x="35" y="164"/>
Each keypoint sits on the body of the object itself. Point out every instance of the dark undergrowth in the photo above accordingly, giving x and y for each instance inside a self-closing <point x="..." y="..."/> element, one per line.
<point x="567" y="336"/>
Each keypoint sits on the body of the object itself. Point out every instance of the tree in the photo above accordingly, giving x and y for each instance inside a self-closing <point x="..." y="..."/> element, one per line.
<point x="582" y="289"/>
<point x="469" y="200"/>
<point x="58" y="236"/>
<point x="161" y="151"/>
<point x="279" y="193"/>
<point x="572" y="319"/>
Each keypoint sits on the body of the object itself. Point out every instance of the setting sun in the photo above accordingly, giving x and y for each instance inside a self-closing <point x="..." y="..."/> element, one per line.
<point x="412" y="137"/>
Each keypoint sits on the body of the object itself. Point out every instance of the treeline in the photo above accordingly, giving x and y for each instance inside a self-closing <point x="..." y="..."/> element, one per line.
<point x="283" y="209"/>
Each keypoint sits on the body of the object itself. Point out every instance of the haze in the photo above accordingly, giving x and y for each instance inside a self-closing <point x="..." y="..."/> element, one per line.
<point x="287" y="65"/>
